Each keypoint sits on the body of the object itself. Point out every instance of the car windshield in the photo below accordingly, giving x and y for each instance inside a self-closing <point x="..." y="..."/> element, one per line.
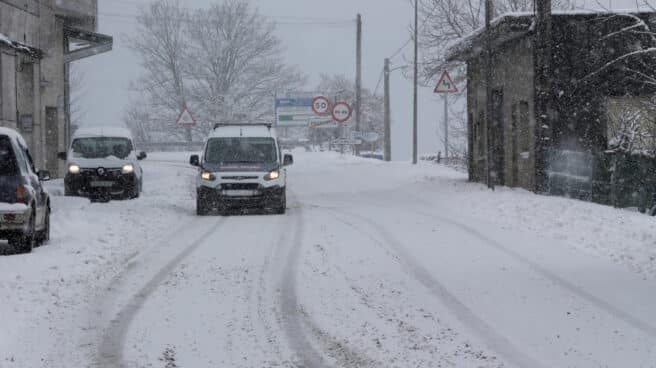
<point x="7" y="160"/>
<point x="102" y="147"/>
<point x="240" y="150"/>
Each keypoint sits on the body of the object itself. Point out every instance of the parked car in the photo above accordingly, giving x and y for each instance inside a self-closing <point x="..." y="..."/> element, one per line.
<point x="242" y="166"/>
<point x="24" y="202"/>
<point x="102" y="163"/>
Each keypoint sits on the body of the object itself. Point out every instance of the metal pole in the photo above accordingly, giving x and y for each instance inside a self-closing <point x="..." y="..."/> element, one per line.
<point x="446" y="127"/>
<point x="358" y="80"/>
<point x="542" y="62"/>
<point x="416" y="82"/>
<point x="388" y="118"/>
<point x="488" y="94"/>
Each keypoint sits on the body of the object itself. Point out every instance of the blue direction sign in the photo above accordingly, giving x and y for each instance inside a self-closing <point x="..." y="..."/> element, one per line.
<point x="294" y="102"/>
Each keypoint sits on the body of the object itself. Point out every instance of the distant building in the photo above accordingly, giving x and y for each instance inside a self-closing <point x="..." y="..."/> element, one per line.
<point x="38" y="40"/>
<point x="586" y="92"/>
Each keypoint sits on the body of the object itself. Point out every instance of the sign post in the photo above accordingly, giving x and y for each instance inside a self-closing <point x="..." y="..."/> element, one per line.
<point x="445" y="86"/>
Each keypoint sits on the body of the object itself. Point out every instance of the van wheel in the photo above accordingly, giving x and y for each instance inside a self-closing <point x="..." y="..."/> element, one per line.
<point x="201" y="208"/>
<point x="281" y="208"/>
<point x="136" y="191"/>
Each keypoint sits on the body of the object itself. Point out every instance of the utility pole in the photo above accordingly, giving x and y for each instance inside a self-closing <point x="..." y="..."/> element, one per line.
<point x="416" y="82"/>
<point x="358" y="80"/>
<point x="489" y="106"/>
<point x="542" y="65"/>
<point x="388" y="118"/>
<point x="446" y="127"/>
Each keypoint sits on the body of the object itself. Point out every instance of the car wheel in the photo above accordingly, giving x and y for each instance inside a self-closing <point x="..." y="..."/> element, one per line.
<point x="24" y="243"/>
<point x="68" y="191"/>
<point x="44" y="236"/>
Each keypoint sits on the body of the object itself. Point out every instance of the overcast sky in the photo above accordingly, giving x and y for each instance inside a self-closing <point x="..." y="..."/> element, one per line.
<point x="315" y="48"/>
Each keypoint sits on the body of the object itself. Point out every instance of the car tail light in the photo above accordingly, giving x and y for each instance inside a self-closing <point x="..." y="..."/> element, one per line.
<point x="21" y="195"/>
<point x="9" y="217"/>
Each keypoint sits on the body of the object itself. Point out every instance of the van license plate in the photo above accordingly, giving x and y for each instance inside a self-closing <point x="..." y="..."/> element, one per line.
<point x="240" y="193"/>
<point x="102" y="184"/>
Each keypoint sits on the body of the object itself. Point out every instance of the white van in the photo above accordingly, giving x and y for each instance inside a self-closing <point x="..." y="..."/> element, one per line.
<point x="102" y="163"/>
<point x="242" y="166"/>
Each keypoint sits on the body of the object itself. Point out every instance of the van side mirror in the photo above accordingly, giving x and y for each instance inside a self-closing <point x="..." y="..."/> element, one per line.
<point x="288" y="160"/>
<point x="194" y="160"/>
<point x="142" y="156"/>
<point x="44" y="175"/>
<point x="62" y="156"/>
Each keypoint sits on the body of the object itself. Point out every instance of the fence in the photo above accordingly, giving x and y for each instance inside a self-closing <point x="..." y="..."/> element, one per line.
<point x="611" y="178"/>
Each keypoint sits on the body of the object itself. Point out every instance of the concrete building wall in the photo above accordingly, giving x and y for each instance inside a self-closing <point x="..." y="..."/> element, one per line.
<point x="513" y="77"/>
<point x="33" y="91"/>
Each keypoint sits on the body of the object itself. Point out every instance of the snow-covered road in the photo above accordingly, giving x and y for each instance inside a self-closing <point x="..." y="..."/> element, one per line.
<point x="375" y="265"/>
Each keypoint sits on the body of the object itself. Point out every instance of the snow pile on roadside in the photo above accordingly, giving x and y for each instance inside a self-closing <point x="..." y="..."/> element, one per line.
<point x="625" y="237"/>
<point x="47" y="293"/>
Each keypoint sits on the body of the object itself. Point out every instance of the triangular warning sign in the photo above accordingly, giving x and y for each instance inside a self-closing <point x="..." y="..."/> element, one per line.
<point x="186" y="118"/>
<point x="446" y="85"/>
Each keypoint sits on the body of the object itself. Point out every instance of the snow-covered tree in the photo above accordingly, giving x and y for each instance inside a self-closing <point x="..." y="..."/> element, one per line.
<point x="224" y="63"/>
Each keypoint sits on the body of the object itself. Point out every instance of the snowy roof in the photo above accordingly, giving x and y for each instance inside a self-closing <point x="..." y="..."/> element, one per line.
<point x="517" y="24"/>
<point x="116" y="132"/>
<point x="245" y="130"/>
<point x="12" y="134"/>
<point x="21" y="47"/>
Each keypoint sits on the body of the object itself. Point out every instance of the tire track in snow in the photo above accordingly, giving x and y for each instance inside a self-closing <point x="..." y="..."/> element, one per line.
<point x="296" y="321"/>
<point x="612" y="310"/>
<point x="110" y="352"/>
<point x="290" y="308"/>
<point x="496" y="342"/>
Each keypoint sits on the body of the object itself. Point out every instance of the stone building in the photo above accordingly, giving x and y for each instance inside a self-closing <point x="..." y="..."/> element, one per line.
<point x="38" y="40"/>
<point x="590" y="82"/>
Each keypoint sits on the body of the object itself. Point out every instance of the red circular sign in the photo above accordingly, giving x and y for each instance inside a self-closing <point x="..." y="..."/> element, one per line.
<point x="342" y="112"/>
<point x="321" y="105"/>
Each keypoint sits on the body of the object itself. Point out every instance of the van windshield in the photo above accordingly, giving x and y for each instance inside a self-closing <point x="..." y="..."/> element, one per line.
<point x="102" y="147"/>
<point x="7" y="160"/>
<point x="241" y="150"/>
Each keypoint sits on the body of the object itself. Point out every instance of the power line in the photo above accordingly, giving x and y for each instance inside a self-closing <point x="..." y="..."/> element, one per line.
<point x="380" y="79"/>
<point x="299" y="20"/>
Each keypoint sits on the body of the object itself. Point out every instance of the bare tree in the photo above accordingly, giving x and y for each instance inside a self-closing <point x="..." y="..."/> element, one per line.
<point x="223" y="63"/>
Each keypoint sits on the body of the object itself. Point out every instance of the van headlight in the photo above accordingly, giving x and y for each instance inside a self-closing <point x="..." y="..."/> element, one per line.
<point x="273" y="175"/>
<point x="74" y="169"/>
<point x="127" y="169"/>
<point x="208" y="176"/>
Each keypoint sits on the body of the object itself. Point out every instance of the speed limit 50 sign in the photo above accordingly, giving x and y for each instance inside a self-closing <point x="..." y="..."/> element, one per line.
<point x="321" y="105"/>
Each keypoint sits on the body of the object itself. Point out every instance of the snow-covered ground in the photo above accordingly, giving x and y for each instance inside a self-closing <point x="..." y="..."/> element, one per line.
<point x="375" y="265"/>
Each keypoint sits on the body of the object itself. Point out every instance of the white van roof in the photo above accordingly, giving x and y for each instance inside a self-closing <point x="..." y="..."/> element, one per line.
<point x="114" y="132"/>
<point x="245" y="130"/>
